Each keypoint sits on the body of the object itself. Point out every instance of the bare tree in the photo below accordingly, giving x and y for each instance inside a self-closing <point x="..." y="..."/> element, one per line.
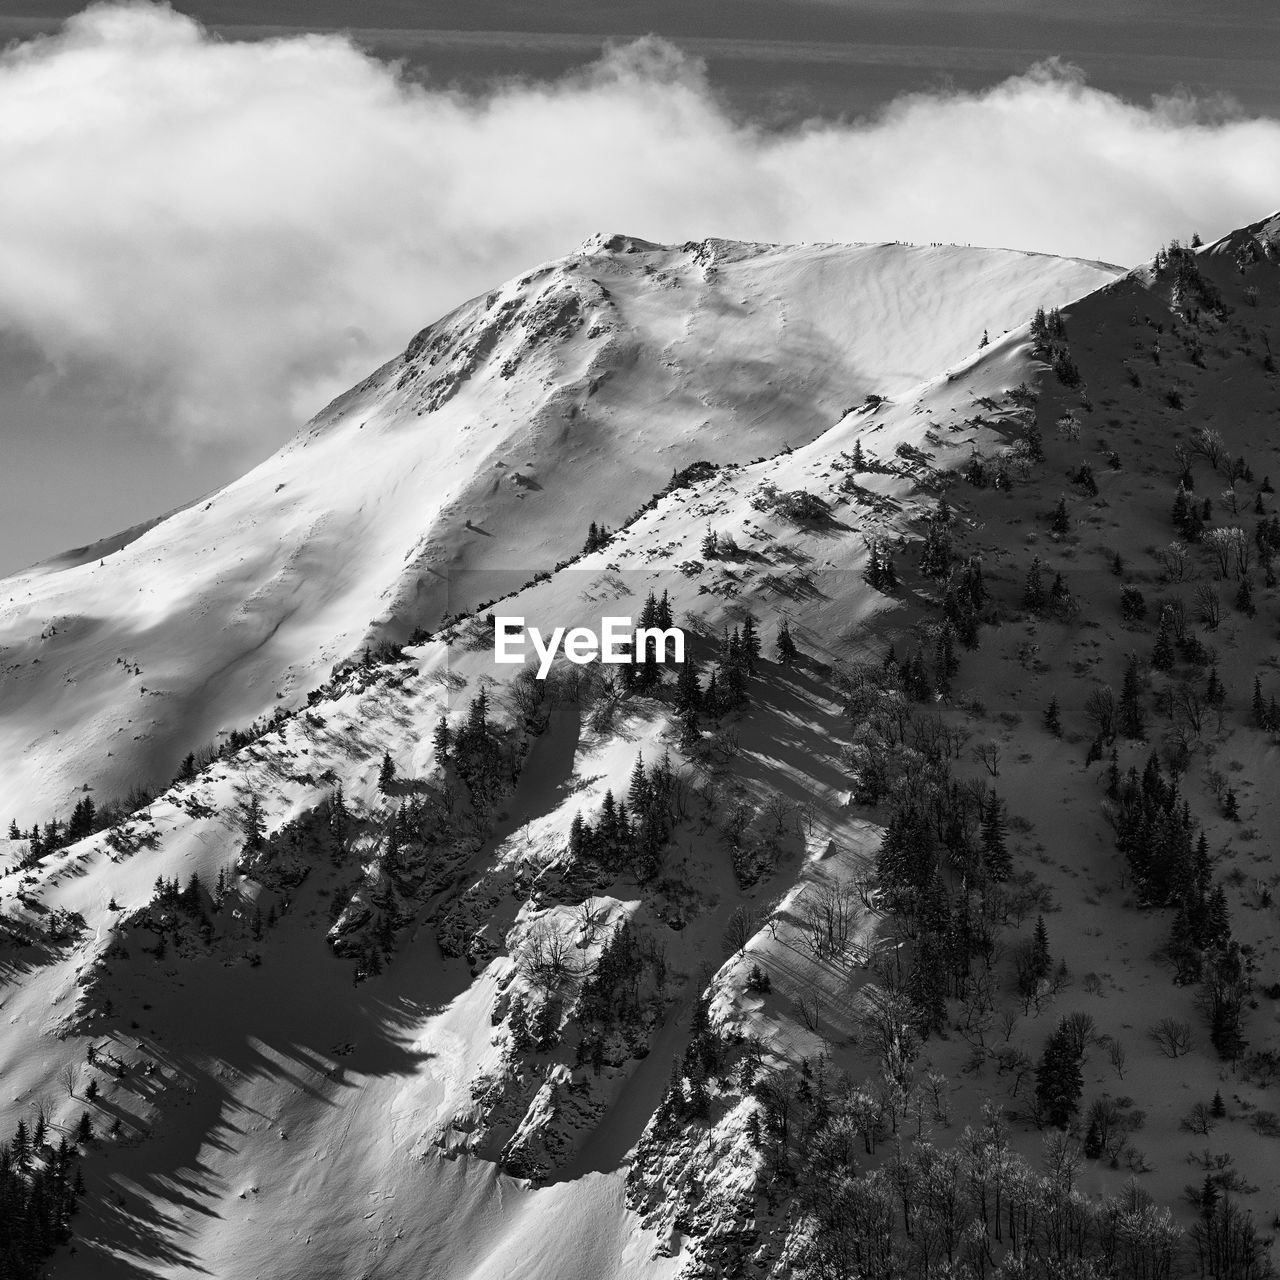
<point x="547" y="958"/>
<point x="590" y="916"/>
<point x="1173" y="1035"/>
<point x="1209" y="606"/>
<point x="988" y="755"/>
<point x="1100" y="707"/>
<point x="1200" y="1119"/>
<point x="829" y="918"/>
<point x="779" y="809"/>
<point x="1231" y="550"/>
<point x="1008" y="1020"/>
<point x="1173" y="560"/>
<point x="743" y="925"/>
<point x="1207" y="443"/>
<point x="1189" y="706"/>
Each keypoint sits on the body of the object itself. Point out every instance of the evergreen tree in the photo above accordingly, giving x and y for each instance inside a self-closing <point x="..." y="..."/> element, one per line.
<point x="688" y="688"/>
<point x="787" y="651"/>
<point x="252" y="825"/>
<point x="1061" y="522"/>
<point x="750" y="644"/>
<point x="386" y="774"/>
<point x="1130" y="718"/>
<point x="710" y="544"/>
<point x="1033" y="597"/>
<point x="1261" y="714"/>
<point x="441" y="737"/>
<point x="1162" y="655"/>
<point x="1053" y="717"/>
<point x="1041" y="960"/>
<point x="1059" y="1081"/>
<point x="995" y="850"/>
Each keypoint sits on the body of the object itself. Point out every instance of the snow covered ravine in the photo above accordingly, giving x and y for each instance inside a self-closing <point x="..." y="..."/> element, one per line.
<point x="410" y="1020"/>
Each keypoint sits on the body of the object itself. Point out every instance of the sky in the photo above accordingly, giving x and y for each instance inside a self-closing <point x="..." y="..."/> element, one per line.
<point x="216" y="217"/>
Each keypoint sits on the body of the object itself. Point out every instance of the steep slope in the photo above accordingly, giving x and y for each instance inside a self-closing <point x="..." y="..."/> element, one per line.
<point x="568" y="395"/>
<point x="524" y="993"/>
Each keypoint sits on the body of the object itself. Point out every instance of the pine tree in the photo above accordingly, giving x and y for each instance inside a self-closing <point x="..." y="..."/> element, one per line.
<point x="1130" y="718"/>
<point x="712" y="702"/>
<point x="995" y="850"/>
<point x="1244" y="597"/>
<point x="688" y="688"/>
<point x="1093" y="1140"/>
<point x="387" y="774"/>
<point x="1053" y="717"/>
<point x="441" y="737"/>
<point x="1041" y="960"/>
<point x="1061" y="522"/>
<point x="1162" y="655"/>
<point x="252" y="825"/>
<point x="1215" y="693"/>
<point x="1059" y="1081"/>
<point x="859" y="458"/>
<point x="1033" y="597"/>
<point x="710" y="544"/>
<point x="750" y="645"/>
<point x="638" y="793"/>
<point x="1231" y="806"/>
<point x="1217" y="1108"/>
<point x="787" y="651"/>
<point x="1261" y="715"/>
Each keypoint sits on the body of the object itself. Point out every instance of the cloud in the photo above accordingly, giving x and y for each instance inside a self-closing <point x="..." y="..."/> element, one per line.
<point x="218" y="235"/>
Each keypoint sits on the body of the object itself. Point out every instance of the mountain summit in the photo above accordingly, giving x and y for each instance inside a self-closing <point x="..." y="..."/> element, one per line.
<point x="569" y="395"/>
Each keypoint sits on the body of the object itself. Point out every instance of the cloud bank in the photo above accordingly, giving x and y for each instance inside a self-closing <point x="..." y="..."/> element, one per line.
<point x="220" y="235"/>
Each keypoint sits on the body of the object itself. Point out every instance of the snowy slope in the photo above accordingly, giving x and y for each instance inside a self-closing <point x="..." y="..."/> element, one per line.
<point x="300" y="1126"/>
<point x="568" y="395"/>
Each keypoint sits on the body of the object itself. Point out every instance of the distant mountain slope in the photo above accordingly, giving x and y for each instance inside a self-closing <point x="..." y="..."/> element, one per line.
<point x="692" y="1049"/>
<point x="566" y="396"/>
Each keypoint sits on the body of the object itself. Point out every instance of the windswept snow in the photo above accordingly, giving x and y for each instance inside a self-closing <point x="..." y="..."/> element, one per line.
<point x="568" y="395"/>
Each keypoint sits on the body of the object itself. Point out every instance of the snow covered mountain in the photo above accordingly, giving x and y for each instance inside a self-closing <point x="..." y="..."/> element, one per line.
<point x="568" y="395"/>
<point x="579" y="979"/>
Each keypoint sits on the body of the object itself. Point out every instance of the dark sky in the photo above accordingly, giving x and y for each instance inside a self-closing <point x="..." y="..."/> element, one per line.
<point x="63" y="481"/>
<point x="779" y="59"/>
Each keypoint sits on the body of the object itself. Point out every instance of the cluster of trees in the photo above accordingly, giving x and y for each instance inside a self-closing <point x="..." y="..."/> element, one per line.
<point x="1056" y="598"/>
<point x="616" y="999"/>
<point x="1049" y="343"/>
<point x="1177" y="265"/>
<point x="880" y="573"/>
<point x="632" y="831"/>
<point x="1266" y="713"/>
<point x="598" y="536"/>
<point x="1155" y="833"/>
<point x="476" y="752"/>
<point x="726" y="688"/>
<point x="688" y="1095"/>
<point x="84" y="822"/>
<point x="40" y="1189"/>
<point x="972" y="1210"/>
